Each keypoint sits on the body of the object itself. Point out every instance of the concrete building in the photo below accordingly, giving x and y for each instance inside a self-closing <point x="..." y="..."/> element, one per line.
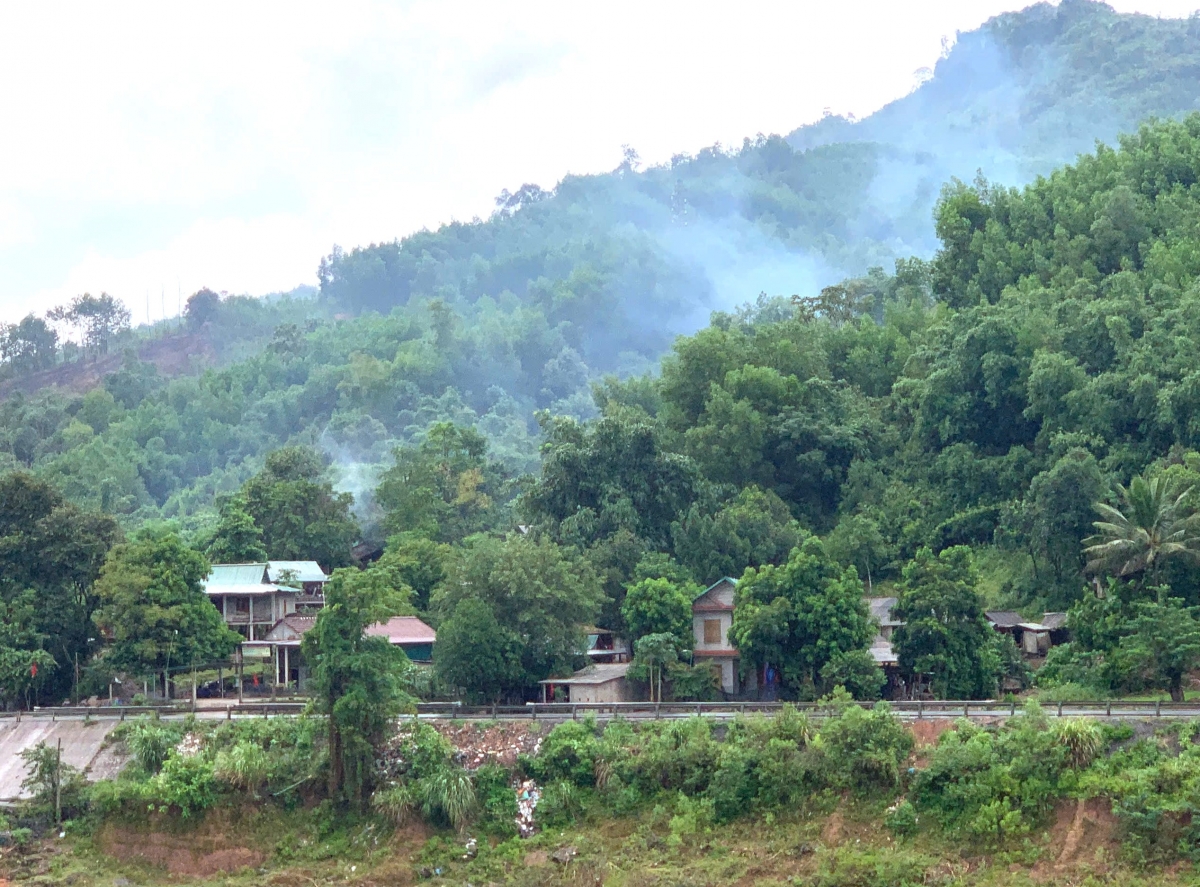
<point x="712" y="617"/>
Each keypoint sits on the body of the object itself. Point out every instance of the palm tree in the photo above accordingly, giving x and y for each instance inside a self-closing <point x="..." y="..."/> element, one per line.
<point x="1155" y="522"/>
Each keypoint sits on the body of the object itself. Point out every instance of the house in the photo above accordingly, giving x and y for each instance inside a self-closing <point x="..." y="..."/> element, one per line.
<point x="408" y="633"/>
<point x="305" y="576"/>
<point x="248" y="600"/>
<point x="712" y="617"/>
<point x="1031" y="638"/>
<point x="881" y="612"/>
<point x="881" y="648"/>
<point x="603" y="682"/>
<point x="605" y="646"/>
<point x="282" y="643"/>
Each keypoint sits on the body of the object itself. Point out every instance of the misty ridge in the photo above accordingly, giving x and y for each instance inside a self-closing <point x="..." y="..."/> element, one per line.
<point x="489" y="323"/>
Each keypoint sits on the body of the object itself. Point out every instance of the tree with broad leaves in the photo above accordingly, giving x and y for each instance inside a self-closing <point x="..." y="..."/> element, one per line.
<point x="153" y="609"/>
<point x="357" y="681"/>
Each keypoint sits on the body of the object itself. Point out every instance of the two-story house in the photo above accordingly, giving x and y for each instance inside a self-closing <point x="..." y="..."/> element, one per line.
<point x="712" y="617"/>
<point x="248" y="600"/>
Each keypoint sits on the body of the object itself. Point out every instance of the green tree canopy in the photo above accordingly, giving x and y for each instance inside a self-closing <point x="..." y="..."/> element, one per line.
<point x="476" y="653"/>
<point x="446" y="488"/>
<point x="660" y="606"/>
<point x="1156" y="521"/>
<point x="237" y="538"/>
<point x="357" y="682"/>
<point x="539" y="593"/>
<point x="153" y="610"/>
<point x="945" y="635"/>
<point x="301" y="516"/>
<point x="753" y="529"/>
<point x="800" y="615"/>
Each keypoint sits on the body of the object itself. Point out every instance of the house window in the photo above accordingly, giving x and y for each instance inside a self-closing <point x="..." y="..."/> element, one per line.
<point x="712" y="631"/>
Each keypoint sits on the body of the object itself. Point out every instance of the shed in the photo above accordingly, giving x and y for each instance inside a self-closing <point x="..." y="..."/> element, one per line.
<point x="1056" y="624"/>
<point x="595" y="683"/>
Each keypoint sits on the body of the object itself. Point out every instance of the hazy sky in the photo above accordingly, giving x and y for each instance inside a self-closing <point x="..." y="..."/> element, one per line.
<point x="157" y="147"/>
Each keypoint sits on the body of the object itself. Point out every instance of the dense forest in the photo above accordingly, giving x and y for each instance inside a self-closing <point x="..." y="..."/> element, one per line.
<point x="952" y="420"/>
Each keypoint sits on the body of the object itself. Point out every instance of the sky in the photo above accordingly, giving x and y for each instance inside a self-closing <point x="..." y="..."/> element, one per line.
<point x="151" y="149"/>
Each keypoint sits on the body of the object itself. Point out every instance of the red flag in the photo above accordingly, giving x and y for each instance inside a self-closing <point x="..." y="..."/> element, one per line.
<point x="33" y="670"/>
<point x="256" y="680"/>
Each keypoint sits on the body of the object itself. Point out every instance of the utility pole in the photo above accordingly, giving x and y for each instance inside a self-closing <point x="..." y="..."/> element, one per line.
<point x="58" y="785"/>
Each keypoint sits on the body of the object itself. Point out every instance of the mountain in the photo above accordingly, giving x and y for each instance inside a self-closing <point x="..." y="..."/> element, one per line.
<point x="484" y="323"/>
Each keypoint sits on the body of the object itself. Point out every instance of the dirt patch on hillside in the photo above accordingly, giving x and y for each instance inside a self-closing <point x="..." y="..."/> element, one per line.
<point x="199" y="853"/>
<point x="500" y="743"/>
<point x="1083" y="836"/>
<point x="174" y="355"/>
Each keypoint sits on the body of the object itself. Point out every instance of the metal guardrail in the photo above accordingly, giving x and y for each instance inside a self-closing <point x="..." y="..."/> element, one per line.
<point x="938" y="708"/>
<point x="919" y="709"/>
<point x="122" y="712"/>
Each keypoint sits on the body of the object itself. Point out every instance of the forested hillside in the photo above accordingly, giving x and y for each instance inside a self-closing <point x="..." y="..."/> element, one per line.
<point x="483" y="323"/>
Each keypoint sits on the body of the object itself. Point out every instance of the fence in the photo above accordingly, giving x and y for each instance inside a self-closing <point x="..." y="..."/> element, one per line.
<point x="634" y="710"/>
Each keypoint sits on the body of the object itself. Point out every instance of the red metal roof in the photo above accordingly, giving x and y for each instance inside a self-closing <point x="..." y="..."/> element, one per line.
<point x="403" y="630"/>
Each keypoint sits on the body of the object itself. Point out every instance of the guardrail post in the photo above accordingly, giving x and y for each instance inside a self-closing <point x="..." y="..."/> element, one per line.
<point x="920" y="709"/>
<point x="657" y="711"/>
<point x="1157" y="708"/>
<point x="574" y="713"/>
<point x="966" y="709"/>
<point x="1060" y="709"/>
<point x="1108" y="709"/>
<point x="229" y="712"/>
<point x="1012" y="709"/>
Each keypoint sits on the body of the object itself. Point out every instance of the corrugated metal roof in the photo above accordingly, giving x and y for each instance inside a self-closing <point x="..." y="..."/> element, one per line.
<point x="728" y="579"/>
<point x="403" y="630"/>
<point x="881" y="610"/>
<point x="304" y="571"/>
<point x="1054" y="621"/>
<point x="237" y="574"/>
<point x="1004" y="618"/>
<point x="593" y="674"/>
<point x="882" y="652"/>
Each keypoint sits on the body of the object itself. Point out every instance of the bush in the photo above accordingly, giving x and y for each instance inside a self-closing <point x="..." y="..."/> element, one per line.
<point x="186" y="784"/>
<point x="448" y="798"/>
<point x="569" y="753"/>
<point x="497" y="801"/>
<point x="561" y="804"/>
<point x="901" y="819"/>
<point x="996" y="782"/>
<point x="864" y="750"/>
<point x="150" y="742"/>
<point x="246" y="766"/>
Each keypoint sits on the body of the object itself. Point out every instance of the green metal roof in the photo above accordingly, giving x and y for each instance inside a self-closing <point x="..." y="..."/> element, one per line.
<point x="728" y="579"/>
<point x="237" y="574"/>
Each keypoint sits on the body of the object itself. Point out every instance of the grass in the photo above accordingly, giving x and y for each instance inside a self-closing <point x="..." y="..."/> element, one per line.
<point x="846" y="848"/>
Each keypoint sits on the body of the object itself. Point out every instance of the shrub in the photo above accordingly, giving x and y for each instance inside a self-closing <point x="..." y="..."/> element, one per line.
<point x="396" y="803"/>
<point x="150" y="742"/>
<point x="1082" y="739"/>
<point x="561" y="804"/>
<point x="864" y="750"/>
<point x="497" y="801"/>
<point x="184" y="783"/>
<point x="568" y="753"/>
<point x="448" y="797"/>
<point x="901" y="819"/>
<point x="993" y="783"/>
<point x="246" y="766"/>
